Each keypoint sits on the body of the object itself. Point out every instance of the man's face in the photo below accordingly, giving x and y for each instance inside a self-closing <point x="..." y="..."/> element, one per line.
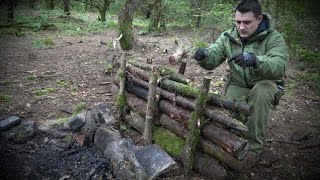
<point x="247" y="23"/>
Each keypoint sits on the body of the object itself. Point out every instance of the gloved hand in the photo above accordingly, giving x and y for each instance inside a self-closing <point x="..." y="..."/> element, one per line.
<point x="201" y="54"/>
<point x="245" y="59"/>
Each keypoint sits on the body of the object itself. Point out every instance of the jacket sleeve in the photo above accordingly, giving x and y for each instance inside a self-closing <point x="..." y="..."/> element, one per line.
<point x="273" y="64"/>
<point x="216" y="56"/>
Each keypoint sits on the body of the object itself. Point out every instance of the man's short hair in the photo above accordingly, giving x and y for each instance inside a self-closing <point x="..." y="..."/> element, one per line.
<point x="249" y="6"/>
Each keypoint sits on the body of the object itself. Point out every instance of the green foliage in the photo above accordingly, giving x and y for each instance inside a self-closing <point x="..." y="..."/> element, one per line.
<point x="200" y="44"/>
<point x="5" y="97"/>
<point x="43" y="42"/>
<point x="220" y="16"/>
<point x="168" y="141"/>
<point x="176" y="12"/>
<point x="140" y="23"/>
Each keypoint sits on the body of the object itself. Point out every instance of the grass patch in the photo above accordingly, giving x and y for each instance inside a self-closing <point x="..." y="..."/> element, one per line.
<point x="168" y="141"/>
<point x="68" y="138"/>
<point x="62" y="120"/>
<point x="44" y="91"/>
<point x="62" y="83"/>
<point x="7" y="82"/>
<point x="5" y="97"/>
<point x="32" y="78"/>
<point x="81" y="106"/>
<point x="43" y="42"/>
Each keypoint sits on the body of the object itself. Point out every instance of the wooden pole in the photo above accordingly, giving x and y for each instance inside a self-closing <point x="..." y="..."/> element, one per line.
<point x="121" y="98"/>
<point x="195" y="124"/>
<point x="182" y="67"/>
<point x="151" y="106"/>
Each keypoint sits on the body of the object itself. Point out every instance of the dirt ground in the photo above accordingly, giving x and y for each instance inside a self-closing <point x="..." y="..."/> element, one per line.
<point x="293" y="132"/>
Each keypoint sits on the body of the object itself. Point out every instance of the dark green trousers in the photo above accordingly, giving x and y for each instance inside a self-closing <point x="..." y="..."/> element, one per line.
<point x="262" y="97"/>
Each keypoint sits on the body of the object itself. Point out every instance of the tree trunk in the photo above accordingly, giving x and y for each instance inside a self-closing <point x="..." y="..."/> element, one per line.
<point x="151" y="106"/>
<point x="104" y="7"/>
<point x="66" y="4"/>
<point x="195" y="123"/>
<point x="50" y="4"/>
<point x="31" y="4"/>
<point x="125" y="24"/>
<point x="155" y="16"/>
<point x="10" y="11"/>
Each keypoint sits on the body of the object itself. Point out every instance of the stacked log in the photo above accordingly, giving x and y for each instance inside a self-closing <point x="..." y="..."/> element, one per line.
<point x="176" y="101"/>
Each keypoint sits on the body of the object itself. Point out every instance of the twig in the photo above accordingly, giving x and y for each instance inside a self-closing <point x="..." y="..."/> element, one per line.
<point x="73" y="151"/>
<point x="20" y="149"/>
<point x="283" y="141"/>
<point x="310" y="146"/>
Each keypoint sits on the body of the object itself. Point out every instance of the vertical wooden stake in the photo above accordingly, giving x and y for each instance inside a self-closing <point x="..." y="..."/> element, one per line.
<point x="151" y="106"/>
<point x="182" y="67"/>
<point x="195" y="124"/>
<point x="121" y="99"/>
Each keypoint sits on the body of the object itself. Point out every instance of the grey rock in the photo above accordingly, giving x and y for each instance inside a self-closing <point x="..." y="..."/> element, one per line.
<point x="9" y="122"/>
<point x="105" y="135"/>
<point x="154" y="160"/>
<point x="22" y="133"/>
<point x="103" y="114"/>
<point x="76" y="122"/>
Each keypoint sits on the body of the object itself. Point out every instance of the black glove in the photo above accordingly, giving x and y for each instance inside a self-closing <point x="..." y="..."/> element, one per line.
<point x="201" y="54"/>
<point x="245" y="59"/>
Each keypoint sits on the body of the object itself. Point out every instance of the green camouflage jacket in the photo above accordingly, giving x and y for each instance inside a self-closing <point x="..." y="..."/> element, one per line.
<point x="269" y="47"/>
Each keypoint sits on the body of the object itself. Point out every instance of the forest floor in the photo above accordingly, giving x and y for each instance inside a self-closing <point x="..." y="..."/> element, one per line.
<point x="75" y="68"/>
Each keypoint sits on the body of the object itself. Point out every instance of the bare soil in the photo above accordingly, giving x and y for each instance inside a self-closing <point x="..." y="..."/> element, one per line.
<point x="75" y="67"/>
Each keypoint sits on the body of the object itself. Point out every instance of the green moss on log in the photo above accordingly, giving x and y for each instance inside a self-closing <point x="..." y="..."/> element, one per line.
<point x="120" y="74"/>
<point x="179" y="88"/>
<point x="121" y="101"/>
<point x="168" y="141"/>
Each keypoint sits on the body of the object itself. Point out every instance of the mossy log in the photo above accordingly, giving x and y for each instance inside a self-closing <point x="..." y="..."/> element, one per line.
<point x="204" y="144"/>
<point x="214" y="99"/>
<point x="195" y="123"/>
<point x="213" y="113"/>
<point x="165" y="72"/>
<point x="151" y="105"/>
